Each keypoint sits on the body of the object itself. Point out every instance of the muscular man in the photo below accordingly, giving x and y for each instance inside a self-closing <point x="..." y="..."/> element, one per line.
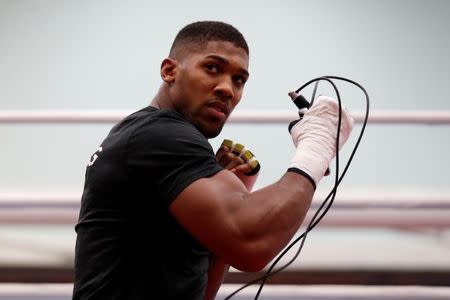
<point x="161" y="215"/>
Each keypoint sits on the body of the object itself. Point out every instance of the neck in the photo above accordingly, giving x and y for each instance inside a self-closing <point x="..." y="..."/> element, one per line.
<point x="162" y="98"/>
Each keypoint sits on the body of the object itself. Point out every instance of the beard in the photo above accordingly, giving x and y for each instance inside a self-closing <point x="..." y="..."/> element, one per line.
<point x="209" y="129"/>
<point x="208" y="124"/>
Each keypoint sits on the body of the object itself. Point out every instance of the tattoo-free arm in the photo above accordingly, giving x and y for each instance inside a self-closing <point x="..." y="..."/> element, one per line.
<point x="217" y="266"/>
<point x="246" y="229"/>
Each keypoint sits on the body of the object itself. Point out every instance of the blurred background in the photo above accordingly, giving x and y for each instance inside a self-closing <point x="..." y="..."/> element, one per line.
<point x="391" y="218"/>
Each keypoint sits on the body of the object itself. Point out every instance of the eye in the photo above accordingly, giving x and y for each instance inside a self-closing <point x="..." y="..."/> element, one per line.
<point x="210" y="67"/>
<point x="240" y="80"/>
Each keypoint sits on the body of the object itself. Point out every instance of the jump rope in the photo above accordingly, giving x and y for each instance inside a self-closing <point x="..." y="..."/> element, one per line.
<point x="302" y="104"/>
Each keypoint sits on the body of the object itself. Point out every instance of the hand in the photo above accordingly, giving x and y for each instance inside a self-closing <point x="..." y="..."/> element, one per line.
<point x="315" y="137"/>
<point x="240" y="161"/>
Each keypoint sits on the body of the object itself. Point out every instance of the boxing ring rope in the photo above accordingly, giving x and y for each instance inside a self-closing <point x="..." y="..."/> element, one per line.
<point x="400" y="209"/>
<point x="239" y="116"/>
<point x="286" y="292"/>
<point x="417" y="210"/>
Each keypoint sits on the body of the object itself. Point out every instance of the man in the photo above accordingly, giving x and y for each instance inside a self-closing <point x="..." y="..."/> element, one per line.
<point x="162" y="216"/>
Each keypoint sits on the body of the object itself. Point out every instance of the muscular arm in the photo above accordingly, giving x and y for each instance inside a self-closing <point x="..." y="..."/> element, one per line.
<point x="217" y="266"/>
<point x="245" y="229"/>
<point x="216" y="273"/>
<point x="248" y="229"/>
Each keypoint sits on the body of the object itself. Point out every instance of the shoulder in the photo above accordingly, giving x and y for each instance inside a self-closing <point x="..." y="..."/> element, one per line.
<point x="167" y="129"/>
<point x="170" y="123"/>
<point x="170" y="153"/>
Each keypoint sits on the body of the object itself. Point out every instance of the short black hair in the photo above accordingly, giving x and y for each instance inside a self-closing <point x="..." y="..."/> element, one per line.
<point x="202" y="32"/>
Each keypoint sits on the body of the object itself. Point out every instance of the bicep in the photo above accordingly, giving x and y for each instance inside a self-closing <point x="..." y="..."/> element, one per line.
<point x="209" y="210"/>
<point x="246" y="230"/>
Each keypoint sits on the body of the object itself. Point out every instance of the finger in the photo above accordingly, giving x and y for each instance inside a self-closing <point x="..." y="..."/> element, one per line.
<point x="234" y="162"/>
<point x="226" y="159"/>
<point x="255" y="166"/>
<point x="222" y="150"/>
<point x="238" y="149"/>
<point x="241" y="169"/>
<point x="292" y="124"/>
<point x="228" y="143"/>
<point x="230" y="160"/>
<point x="225" y="147"/>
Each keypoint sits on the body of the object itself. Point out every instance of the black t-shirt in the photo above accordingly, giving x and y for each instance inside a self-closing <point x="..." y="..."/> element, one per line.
<point x="128" y="244"/>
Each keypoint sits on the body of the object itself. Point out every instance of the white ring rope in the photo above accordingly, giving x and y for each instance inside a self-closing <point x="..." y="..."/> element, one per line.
<point x="41" y="206"/>
<point x="344" y="201"/>
<point x="280" y="292"/>
<point x="239" y="116"/>
<point x="403" y="210"/>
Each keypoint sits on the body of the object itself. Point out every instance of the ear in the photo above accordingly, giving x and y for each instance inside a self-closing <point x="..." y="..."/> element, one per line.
<point x="168" y="70"/>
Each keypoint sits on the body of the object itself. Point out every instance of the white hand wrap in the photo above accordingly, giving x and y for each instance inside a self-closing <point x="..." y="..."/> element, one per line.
<point x="315" y="137"/>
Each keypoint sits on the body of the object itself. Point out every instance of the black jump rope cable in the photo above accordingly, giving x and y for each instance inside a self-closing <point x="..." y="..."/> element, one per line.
<point x="331" y="195"/>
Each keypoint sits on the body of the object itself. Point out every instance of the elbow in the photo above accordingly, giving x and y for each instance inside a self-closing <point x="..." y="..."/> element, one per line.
<point x="250" y="266"/>
<point x="253" y="260"/>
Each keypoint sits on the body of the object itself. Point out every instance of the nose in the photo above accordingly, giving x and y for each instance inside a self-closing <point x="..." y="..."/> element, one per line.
<point x="224" y="89"/>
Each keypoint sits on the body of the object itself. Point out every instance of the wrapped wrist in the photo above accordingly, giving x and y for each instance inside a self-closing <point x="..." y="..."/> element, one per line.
<point x="312" y="163"/>
<point x="304" y="174"/>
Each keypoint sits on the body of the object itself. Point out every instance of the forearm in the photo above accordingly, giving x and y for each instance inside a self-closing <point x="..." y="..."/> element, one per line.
<point x="217" y="266"/>
<point x="249" y="229"/>
<point x="269" y="217"/>
<point x="216" y="273"/>
<point x="246" y="229"/>
<point x="248" y="181"/>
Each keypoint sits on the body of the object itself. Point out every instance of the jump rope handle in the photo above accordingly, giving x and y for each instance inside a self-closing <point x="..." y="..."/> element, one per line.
<point x="303" y="106"/>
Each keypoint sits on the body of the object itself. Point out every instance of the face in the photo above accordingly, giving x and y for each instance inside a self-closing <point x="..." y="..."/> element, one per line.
<point x="208" y="83"/>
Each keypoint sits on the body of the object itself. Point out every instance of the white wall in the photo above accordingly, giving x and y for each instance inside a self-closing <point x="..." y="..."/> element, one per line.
<point x="106" y="55"/>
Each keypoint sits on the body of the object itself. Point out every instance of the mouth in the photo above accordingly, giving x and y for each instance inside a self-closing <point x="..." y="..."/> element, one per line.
<point x="218" y="107"/>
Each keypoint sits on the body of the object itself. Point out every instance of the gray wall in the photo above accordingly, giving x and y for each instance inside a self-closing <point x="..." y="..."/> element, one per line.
<point x="105" y="55"/>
